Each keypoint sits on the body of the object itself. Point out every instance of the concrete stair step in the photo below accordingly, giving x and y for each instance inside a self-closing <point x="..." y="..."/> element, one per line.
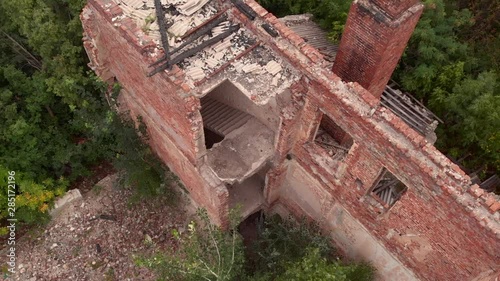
<point x="221" y="118"/>
<point x="234" y="124"/>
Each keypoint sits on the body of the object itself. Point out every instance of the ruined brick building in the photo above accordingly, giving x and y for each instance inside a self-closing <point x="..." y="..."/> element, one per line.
<point x="254" y="110"/>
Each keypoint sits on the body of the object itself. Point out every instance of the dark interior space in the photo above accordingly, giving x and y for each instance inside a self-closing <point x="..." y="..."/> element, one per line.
<point x="333" y="132"/>
<point x="248" y="194"/>
<point x="211" y="138"/>
<point x="388" y="188"/>
<point x="332" y="138"/>
<point x="250" y="230"/>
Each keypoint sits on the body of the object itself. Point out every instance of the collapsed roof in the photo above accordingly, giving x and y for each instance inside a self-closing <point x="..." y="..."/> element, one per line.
<point x="203" y="39"/>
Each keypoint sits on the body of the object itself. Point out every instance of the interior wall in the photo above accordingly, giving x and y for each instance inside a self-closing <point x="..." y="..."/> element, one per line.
<point x="229" y="94"/>
<point x="301" y="194"/>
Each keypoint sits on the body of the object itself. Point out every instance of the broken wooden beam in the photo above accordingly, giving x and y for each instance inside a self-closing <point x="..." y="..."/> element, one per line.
<point x="160" y="17"/>
<point x="332" y="145"/>
<point x="200" y="32"/>
<point x="193" y="51"/>
<point x="203" y="24"/>
<point x="245" y="9"/>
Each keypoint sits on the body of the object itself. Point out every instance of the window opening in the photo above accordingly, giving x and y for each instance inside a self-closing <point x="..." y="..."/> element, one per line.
<point x="332" y="138"/>
<point x="388" y="189"/>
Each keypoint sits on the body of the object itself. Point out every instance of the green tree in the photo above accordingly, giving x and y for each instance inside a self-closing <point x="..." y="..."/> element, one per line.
<point x="433" y="46"/>
<point x="483" y="36"/>
<point x="55" y="121"/>
<point x="440" y="68"/>
<point x="41" y="122"/>
<point x="331" y="15"/>
<point x="471" y="108"/>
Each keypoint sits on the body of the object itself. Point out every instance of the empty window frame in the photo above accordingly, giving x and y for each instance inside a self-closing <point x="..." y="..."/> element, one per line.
<point x="388" y="189"/>
<point x="332" y="138"/>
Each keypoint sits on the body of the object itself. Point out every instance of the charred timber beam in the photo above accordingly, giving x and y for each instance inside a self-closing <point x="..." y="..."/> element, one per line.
<point x="333" y="145"/>
<point x="205" y="23"/>
<point x="197" y="34"/>
<point x="193" y="51"/>
<point x="245" y="9"/>
<point x="200" y="32"/>
<point x="160" y="16"/>
<point x="269" y="29"/>
<point x="205" y="44"/>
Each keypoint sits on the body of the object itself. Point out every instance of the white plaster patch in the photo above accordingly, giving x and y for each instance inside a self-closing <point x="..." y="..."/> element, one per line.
<point x="196" y="73"/>
<point x="253" y="67"/>
<point x="273" y="67"/>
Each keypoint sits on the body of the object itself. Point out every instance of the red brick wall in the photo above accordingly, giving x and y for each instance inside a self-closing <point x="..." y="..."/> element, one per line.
<point x="372" y="44"/>
<point x="442" y="228"/>
<point x="456" y="245"/>
<point x="394" y="8"/>
<point x="169" y="114"/>
<point x="455" y="227"/>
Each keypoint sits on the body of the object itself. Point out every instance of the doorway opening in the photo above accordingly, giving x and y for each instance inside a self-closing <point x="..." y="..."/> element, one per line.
<point x="251" y="229"/>
<point x="249" y="194"/>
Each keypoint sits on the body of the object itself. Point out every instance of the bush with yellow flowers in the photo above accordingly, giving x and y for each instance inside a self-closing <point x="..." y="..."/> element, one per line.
<point x="32" y="200"/>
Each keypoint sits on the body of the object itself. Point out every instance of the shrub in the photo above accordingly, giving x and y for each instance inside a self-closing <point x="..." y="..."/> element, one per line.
<point x="282" y="241"/>
<point x="32" y="200"/>
<point x="315" y="267"/>
<point x="206" y="253"/>
<point x="289" y="250"/>
<point x="136" y="163"/>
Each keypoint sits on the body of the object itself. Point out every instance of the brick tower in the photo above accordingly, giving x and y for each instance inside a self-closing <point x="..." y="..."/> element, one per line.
<point x="375" y="36"/>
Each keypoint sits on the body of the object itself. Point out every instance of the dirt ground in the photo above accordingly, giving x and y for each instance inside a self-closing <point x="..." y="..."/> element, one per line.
<point x="96" y="238"/>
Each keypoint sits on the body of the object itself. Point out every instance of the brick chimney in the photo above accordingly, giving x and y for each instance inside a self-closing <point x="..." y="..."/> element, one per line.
<point x="374" y="38"/>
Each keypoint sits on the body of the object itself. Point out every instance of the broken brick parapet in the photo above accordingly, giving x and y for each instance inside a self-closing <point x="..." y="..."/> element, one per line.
<point x="454" y="180"/>
<point x="261" y="12"/>
<point x="125" y="62"/>
<point x="112" y="12"/>
<point x="432" y="162"/>
<point x="406" y="139"/>
<point x="287" y="40"/>
<point x="137" y="39"/>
